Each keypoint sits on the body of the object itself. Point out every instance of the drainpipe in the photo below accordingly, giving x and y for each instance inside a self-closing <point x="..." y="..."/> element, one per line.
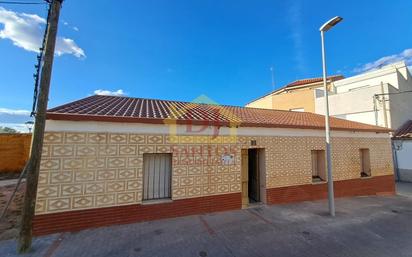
<point x="385" y="114"/>
<point x="395" y="162"/>
<point x="375" y="109"/>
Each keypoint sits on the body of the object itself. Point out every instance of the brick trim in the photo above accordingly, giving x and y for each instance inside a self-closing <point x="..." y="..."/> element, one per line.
<point x="380" y="185"/>
<point x="82" y="219"/>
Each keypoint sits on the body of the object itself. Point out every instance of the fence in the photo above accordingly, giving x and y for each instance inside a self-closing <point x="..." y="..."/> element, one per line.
<point x="14" y="151"/>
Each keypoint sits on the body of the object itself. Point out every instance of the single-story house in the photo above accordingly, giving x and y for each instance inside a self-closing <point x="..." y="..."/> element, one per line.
<point x="402" y="147"/>
<point x="115" y="160"/>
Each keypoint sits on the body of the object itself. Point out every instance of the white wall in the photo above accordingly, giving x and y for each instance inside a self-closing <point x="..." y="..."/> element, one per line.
<point x="401" y="104"/>
<point x="404" y="159"/>
<point x="405" y="155"/>
<point x="367" y="117"/>
<point x="352" y="98"/>
<point x="386" y="74"/>
<point x="355" y="105"/>
<point x="117" y="127"/>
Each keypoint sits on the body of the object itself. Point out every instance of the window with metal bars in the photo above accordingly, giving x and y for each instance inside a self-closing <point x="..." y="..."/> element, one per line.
<point x="157" y="176"/>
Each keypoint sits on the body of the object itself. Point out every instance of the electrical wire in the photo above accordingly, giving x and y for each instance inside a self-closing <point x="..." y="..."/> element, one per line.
<point x="38" y="66"/>
<point x="36" y="85"/>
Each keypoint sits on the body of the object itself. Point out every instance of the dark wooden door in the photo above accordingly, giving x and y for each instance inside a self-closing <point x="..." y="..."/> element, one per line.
<point x="254" y="185"/>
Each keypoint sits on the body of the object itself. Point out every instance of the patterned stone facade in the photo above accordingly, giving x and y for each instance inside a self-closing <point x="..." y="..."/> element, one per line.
<point x="93" y="170"/>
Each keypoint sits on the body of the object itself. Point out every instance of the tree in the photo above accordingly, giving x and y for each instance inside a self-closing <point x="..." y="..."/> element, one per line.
<point x="8" y="130"/>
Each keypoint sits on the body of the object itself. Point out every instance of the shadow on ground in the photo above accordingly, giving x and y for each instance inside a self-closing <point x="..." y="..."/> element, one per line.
<point x="364" y="226"/>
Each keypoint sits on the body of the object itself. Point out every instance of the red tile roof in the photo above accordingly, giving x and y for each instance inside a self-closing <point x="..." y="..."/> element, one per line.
<point x="405" y="131"/>
<point x="139" y="110"/>
<point x="302" y="82"/>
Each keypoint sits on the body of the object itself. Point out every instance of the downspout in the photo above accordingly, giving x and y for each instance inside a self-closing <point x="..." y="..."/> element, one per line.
<point x="385" y="114"/>
<point x="375" y="109"/>
<point x="395" y="161"/>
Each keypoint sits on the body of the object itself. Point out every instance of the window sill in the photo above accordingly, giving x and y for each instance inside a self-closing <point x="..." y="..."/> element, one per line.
<point x="158" y="201"/>
<point x="319" y="182"/>
<point x="368" y="177"/>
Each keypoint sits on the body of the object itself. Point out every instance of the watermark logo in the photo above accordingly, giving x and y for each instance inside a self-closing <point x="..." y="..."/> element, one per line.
<point x="199" y="118"/>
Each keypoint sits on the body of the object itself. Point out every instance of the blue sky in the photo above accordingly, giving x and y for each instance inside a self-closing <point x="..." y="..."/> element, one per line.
<point x="182" y="49"/>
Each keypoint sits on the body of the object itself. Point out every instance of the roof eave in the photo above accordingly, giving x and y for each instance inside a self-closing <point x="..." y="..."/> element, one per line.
<point x="100" y="118"/>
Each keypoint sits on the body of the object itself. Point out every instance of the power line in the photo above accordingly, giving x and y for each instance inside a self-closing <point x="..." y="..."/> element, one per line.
<point x="395" y="93"/>
<point x="22" y="3"/>
<point x="33" y="165"/>
<point x="38" y="66"/>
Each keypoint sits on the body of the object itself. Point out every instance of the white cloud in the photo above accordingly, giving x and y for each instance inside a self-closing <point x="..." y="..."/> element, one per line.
<point x="295" y="20"/>
<point x="26" y="31"/>
<point x="68" y="46"/>
<point x="65" y="23"/>
<point x="405" y="55"/>
<point x="20" y="127"/>
<point x="14" y="112"/>
<point x="14" y="118"/>
<point x="118" y="92"/>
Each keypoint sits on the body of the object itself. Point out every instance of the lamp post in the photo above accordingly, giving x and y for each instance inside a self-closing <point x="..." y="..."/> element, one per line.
<point x="29" y="125"/>
<point x="325" y="27"/>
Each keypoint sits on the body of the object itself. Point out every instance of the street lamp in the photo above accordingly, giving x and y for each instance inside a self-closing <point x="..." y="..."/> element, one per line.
<point x="29" y="125"/>
<point x="325" y="27"/>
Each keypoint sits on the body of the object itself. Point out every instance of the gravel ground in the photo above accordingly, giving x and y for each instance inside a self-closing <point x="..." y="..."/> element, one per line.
<point x="9" y="175"/>
<point x="9" y="224"/>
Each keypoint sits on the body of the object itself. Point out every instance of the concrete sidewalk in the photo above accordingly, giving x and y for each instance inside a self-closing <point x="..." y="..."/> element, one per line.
<point x="404" y="188"/>
<point x="364" y="226"/>
<point x="8" y="182"/>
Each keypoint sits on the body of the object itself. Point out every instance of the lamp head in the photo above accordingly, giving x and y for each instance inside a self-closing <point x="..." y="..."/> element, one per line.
<point x="330" y="23"/>
<point x="29" y="125"/>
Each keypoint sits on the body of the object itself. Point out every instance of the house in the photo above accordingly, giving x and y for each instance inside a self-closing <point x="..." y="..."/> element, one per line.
<point x="296" y="96"/>
<point x="380" y="97"/>
<point x="402" y="146"/>
<point x="114" y="160"/>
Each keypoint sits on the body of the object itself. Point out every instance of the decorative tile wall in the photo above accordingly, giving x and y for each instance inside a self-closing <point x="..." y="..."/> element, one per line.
<point x="92" y="170"/>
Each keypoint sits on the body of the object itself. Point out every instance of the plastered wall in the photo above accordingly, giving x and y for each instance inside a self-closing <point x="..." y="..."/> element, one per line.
<point x="84" y="170"/>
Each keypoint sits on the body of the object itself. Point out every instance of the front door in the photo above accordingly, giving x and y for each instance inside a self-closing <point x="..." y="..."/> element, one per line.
<point x="254" y="182"/>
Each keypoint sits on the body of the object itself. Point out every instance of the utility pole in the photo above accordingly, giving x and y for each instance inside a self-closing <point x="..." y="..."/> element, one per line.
<point x="33" y="166"/>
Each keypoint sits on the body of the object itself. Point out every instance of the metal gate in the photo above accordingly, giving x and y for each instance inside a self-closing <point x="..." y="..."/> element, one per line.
<point x="157" y="170"/>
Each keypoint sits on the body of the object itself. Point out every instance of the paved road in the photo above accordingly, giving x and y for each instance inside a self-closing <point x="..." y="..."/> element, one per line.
<point x="8" y="182"/>
<point x="404" y="188"/>
<point x="364" y="226"/>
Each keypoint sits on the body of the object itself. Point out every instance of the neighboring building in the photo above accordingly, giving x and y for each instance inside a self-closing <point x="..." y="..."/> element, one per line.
<point x="296" y="96"/>
<point x="402" y="146"/>
<point x="381" y="97"/>
<point x="115" y="160"/>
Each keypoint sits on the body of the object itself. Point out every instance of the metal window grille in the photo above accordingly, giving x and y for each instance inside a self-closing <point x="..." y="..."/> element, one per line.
<point x="157" y="176"/>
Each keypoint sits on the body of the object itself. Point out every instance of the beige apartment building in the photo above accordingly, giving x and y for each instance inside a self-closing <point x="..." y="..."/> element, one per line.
<point x="380" y="97"/>
<point x="296" y="96"/>
<point x="115" y="160"/>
